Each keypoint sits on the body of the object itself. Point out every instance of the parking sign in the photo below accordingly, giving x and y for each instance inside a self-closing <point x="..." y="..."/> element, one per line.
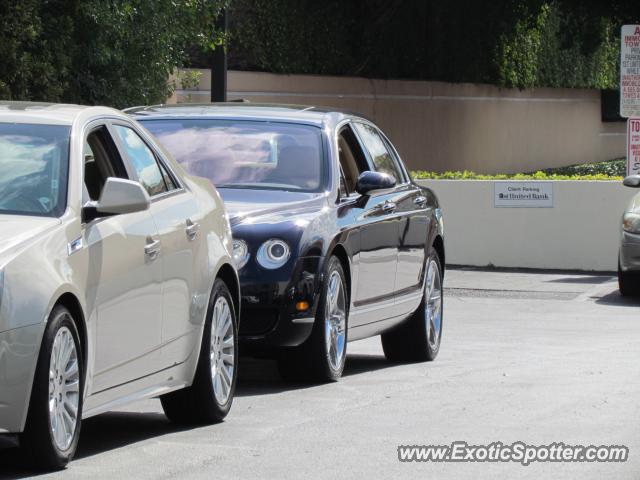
<point x="630" y="71"/>
<point x="633" y="146"/>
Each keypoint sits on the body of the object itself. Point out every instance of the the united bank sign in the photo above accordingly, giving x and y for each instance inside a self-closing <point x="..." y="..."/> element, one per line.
<point x="523" y="194"/>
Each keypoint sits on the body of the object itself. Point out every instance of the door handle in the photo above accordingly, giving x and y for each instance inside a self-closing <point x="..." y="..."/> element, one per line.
<point x="388" y="207"/>
<point x="152" y="249"/>
<point x="192" y="230"/>
<point x="420" y="201"/>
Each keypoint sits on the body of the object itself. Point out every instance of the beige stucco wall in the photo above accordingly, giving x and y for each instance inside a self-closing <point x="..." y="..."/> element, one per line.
<point x="443" y="126"/>
<point x="580" y="232"/>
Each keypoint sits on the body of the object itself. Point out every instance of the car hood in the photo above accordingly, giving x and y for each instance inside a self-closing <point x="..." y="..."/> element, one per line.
<point x="16" y="230"/>
<point x="253" y="206"/>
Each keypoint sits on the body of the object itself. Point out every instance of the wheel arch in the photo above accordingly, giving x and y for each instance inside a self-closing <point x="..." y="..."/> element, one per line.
<point x="438" y="246"/>
<point x="71" y="303"/>
<point x="228" y="274"/>
<point x="341" y="253"/>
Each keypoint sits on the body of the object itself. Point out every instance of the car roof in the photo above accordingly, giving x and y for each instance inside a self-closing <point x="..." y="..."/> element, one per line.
<point x="264" y="111"/>
<point x="49" y="113"/>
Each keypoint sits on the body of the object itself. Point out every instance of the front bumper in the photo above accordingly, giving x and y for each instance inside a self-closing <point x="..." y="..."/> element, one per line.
<point x="269" y="317"/>
<point x="19" y="349"/>
<point x="630" y="252"/>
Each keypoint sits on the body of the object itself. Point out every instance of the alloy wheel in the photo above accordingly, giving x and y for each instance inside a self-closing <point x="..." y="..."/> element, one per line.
<point x="64" y="389"/>
<point x="335" y="321"/>
<point x="222" y="353"/>
<point x="433" y="305"/>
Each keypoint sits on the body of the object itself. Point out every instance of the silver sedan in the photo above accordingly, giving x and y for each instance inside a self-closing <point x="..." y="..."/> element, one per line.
<point x="629" y="258"/>
<point x="116" y="278"/>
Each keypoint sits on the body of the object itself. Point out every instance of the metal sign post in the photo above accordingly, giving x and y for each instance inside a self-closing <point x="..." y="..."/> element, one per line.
<point x="219" y="64"/>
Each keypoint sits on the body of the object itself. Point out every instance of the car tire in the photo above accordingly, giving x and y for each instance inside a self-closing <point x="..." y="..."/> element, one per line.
<point x="418" y="339"/>
<point x="209" y="398"/>
<point x="628" y="283"/>
<point x="322" y="357"/>
<point x="51" y="434"/>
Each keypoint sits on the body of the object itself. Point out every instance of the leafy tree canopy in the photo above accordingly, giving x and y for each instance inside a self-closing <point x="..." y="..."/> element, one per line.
<point x="109" y="52"/>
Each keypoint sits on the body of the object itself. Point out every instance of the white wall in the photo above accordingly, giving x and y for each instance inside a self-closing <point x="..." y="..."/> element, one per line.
<point x="581" y="231"/>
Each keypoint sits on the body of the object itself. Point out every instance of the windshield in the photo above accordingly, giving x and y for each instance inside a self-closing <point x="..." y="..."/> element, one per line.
<point x="34" y="160"/>
<point x="245" y="154"/>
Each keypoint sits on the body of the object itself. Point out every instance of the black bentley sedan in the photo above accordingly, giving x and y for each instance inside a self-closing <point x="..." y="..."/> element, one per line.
<point x="332" y="239"/>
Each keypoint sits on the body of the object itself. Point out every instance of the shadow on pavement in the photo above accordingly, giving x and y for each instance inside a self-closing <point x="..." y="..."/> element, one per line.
<point x="360" y="363"/>
<point x="99" y="434"/>
<point x="118" y="429"/>
<point x="259" y="376"/>
<point x="615" y="299"/>
<point x="113" y="430"/>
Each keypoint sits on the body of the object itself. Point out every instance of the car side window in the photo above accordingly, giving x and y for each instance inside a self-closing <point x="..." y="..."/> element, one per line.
<point x="352" y="159"/>
<point x="168" y="179"/>
<point x="101" y="161"/>
<point x="383" y="159"/>
<point x="143" y="161"/>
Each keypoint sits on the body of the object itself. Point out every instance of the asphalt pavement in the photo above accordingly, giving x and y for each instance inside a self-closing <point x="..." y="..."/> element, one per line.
<point x="532" y="357"/>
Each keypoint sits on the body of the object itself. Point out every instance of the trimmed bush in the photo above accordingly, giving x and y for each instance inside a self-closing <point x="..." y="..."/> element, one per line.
<point x="467" y="175"/>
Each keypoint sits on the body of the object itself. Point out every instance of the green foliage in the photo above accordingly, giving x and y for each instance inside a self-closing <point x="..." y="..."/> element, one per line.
<point x="467" y="175"/>
<point x="558" y="48"/>
<point x="284" y="36"/>
<point x="609" y="170"/>
<point x="613" y="168"/>
<point x="117" y="52"/>
<point x="34" y="63"/>
<point x="518" y="52"/>
<point x="188" y="79"/>
<point x="513" y="43"/>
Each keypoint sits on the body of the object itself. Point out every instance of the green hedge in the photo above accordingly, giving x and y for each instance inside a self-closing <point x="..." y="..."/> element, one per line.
<point x="467" y="175"/>
<point x="612" y="168"/>
<point x="513" y="43"/>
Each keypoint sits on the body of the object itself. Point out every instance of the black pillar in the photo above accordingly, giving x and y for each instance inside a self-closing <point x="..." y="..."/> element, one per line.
<point x="219" y="64"/>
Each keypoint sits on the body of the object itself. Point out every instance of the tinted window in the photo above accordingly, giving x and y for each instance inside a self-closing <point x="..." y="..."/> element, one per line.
<point x="352" y="159"/>
<point x="101" y="161"/>
<point x="383" y="160"/>
<point x="245" y="154"/>
<point x="143" y="160"/>
<point x="34" y="161"/>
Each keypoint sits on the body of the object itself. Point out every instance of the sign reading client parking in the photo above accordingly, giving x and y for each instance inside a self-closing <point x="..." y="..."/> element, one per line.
<point x="630" y="71"/>
<point x="523" y="194"/>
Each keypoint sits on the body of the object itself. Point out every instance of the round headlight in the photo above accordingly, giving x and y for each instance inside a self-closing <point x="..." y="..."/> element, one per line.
<point x="273" y="254"/>
<point x="240" y="253"/>
<point x="631" y="222"/>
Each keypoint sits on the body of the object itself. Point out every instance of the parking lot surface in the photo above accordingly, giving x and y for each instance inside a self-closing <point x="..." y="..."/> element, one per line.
<point x="532" y="357"/>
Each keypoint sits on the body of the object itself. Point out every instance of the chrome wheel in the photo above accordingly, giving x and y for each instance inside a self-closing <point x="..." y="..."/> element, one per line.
<point x="64" y="389"/>
<point x="222" y="353"/>
<point x="433" y="305"/>
<point x="335" y="323"/>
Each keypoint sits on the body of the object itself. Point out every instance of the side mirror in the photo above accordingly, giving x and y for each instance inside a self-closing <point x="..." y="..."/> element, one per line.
<point x="369" y="181"/>
<point x="118" y="196"/>
<point x="632" y="181"/>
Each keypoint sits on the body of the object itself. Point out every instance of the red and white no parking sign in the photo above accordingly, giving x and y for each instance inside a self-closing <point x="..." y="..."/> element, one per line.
<point x="633" y="146"/>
